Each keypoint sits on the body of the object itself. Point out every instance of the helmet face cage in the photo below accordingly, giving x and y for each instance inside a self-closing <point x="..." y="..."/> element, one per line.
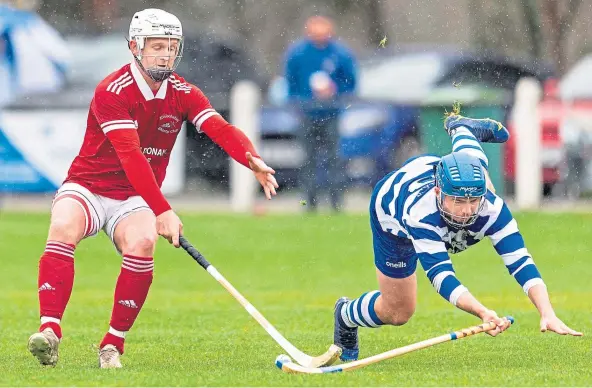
<point x="449" y="217"/>
<point x="156" y="73"/>
<point x="461" y="180"/>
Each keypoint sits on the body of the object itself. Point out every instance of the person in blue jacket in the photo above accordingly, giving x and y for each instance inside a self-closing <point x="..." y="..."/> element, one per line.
<point x="320" y="73"/>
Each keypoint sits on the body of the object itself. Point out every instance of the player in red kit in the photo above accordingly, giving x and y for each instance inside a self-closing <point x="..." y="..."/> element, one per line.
<point x="114" y="182"/>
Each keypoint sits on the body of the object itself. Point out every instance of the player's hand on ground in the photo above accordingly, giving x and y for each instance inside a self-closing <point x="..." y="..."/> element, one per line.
<point x="264" y="175"/>
<point x="169" y="226"/>
<point x="501" y="324"/>
<point x="552" y="323"/>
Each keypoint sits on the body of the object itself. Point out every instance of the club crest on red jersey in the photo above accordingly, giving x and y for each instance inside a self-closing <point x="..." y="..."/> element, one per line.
<point x="169" y="124"/>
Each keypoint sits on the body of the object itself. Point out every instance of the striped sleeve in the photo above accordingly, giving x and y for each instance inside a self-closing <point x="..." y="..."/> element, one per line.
<point x="199" y="108"/>
<point x="117" y="124"/>
<point x="233" y="141"/>
<point x="434" y="259"/>
<point x="509" y="244"/>
<point x="202" y="116"/>
<point x="111" y="111"/>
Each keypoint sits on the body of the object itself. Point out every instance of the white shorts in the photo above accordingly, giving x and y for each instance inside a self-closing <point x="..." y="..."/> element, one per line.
<point x="100" y="212"/>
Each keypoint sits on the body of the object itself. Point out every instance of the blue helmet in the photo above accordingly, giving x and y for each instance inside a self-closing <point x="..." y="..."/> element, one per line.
<point x="460" y="175"/>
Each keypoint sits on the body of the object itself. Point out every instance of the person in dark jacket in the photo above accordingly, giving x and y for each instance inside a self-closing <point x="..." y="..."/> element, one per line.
<point x="321" y="74"/>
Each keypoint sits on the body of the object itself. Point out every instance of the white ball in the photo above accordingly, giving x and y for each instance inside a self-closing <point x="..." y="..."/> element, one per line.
<point x="282" y="358"/>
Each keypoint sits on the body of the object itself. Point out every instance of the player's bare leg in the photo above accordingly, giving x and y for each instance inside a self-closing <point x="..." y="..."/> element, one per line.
<point x="56" y="276"/>
<point x="135" y="237"/>
<point x="396" y="303"/>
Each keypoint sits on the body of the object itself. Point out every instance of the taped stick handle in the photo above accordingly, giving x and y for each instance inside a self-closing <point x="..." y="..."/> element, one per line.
<point x="486" y="326"/>
<point x="469" y="331"/>
<point x="194" y="253"/>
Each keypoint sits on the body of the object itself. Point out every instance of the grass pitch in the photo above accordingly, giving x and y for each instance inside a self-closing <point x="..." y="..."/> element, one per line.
<point x="293" y="268"/>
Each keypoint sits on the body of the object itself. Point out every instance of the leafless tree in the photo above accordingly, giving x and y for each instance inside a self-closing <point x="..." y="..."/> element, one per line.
<point x="532" y="21"/>
<point x="559" y="16"/>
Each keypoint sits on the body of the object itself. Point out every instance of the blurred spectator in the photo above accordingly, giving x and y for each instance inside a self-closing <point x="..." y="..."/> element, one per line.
<point x="320" y="73"/>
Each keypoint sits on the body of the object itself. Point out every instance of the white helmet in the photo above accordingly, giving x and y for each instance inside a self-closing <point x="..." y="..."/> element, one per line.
<point x="156" y="23"/>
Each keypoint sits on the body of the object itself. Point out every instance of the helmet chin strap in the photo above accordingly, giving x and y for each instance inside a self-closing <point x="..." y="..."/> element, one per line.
<point x="157" y="75"/>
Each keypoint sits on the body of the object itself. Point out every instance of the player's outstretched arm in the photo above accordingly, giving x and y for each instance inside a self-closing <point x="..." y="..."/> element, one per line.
<point x="509" y="244"/>
<point x="433" y="257"/>
<point x="540" y="298"/>
<point x="239" y="147"/>
<point x="231" y="139"/>
<point x="467" y="302"/>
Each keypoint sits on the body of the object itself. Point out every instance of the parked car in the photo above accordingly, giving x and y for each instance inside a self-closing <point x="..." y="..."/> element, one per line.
<point x="412" y="75"/>
<point x="566" y="120"/>
<point x="575" y="127"/>
<point x="367" y="132"/>
<point x="381" y="130"/>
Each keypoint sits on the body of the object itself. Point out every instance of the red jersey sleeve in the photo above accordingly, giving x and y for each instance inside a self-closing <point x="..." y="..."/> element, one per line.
<point x="111" y="111"/>
<point x="112" y="114"/>
<point x="205" y="118"/>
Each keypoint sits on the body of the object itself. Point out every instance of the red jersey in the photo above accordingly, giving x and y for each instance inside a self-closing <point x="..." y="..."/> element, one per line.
<point x="124" y="102"/>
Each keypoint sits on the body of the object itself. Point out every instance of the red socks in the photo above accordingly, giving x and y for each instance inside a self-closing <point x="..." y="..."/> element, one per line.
<point x="55" y="282"/>
<point x="56" y="279"/>
<point x="131" y="291"/>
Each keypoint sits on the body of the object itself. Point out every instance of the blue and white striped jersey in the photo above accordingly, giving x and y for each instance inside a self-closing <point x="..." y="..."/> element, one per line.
<point x="405" y="206"/>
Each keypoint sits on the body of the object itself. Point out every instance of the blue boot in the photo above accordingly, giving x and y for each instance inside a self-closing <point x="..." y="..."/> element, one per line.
<point x="485" y="130"/>
<point x="343" y="336"/>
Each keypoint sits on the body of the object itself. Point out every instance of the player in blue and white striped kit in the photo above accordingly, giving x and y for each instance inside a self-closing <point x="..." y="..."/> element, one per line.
<point x="424" y="211"/>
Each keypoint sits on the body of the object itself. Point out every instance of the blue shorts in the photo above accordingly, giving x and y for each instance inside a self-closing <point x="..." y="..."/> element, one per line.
<point x="394" y="256"/>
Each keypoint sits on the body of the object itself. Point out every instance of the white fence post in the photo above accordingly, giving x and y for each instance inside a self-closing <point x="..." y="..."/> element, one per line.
<point x="245" y="102"/>
<point x="527" y="129"/>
